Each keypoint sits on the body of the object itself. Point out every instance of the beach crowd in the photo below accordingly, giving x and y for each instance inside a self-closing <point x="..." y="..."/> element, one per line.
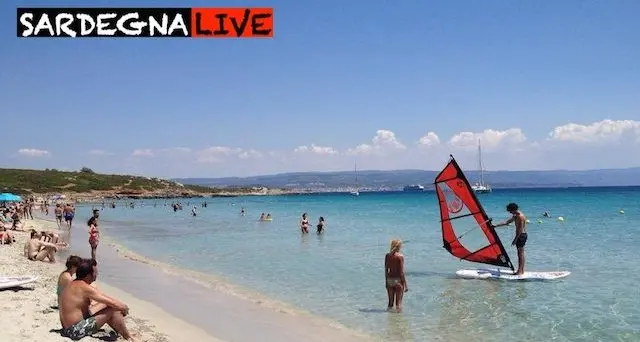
<point x="83" y="309"/>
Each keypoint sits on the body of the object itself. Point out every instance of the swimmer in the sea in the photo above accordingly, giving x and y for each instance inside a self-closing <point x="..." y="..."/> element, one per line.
<point x="304" y="224"/>
<point x="320" y="226"/>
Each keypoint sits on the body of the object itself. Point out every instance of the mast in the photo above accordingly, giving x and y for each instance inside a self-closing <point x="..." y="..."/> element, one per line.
<point x="480" y="167"/>
<point x="355" y="170"/>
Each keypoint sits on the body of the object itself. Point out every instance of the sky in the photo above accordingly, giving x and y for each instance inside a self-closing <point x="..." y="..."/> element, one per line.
<point x="390" y="85"/>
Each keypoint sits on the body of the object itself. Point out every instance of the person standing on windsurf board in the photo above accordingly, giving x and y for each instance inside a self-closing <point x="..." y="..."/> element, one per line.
<point x="521" y="233"/>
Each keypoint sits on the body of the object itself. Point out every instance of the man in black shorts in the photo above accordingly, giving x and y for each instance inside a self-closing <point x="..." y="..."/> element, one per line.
<point x="521" y="233"/>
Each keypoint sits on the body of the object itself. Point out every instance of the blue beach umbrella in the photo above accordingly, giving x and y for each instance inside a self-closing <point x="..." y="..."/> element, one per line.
<point x="7" y="197"/>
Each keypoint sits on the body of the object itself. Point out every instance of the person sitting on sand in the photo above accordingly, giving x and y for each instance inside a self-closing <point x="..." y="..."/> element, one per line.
<point x="17" y="223"/>
<point x="38" y="250"/>
<point x="52" y="238"/>
<point x="75" y="317"/>
<point x="395" y="281"/>
<point x="6" y="220"/>
<point x="66" y="276"/>
<point x="5" y="237"/>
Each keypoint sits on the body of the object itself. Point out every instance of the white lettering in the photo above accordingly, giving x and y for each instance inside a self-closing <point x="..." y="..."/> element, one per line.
<point x="64" y="27"/>
<point x="87" y="24"/>
<point x="155" y="25"/>
<point x="25" y="20"/>
<point x="136" y="25"/>
<point x="44" y="24"/>
<point x="102" y="25"/>
<point x="178" y="23"/>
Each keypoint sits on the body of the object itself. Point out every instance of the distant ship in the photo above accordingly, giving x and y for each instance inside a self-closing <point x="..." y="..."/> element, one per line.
<point x="413" y="188"/>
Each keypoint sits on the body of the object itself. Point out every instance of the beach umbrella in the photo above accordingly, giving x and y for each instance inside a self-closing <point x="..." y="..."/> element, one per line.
<point x="8" y="197"/>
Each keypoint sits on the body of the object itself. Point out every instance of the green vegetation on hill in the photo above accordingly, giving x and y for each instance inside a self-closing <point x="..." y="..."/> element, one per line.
<point x="54" y="181"/>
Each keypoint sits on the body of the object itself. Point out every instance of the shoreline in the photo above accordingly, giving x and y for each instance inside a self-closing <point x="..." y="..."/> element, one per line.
<point x="278" y="321"/>
<point x="30" y="311"/>
<point x="98" y="197"/>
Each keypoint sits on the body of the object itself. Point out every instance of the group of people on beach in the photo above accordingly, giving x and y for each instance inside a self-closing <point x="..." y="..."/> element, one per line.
<point x="83" y="308"/>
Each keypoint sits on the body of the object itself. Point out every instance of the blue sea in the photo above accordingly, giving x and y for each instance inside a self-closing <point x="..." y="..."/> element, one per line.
<point x="339" y="274"/>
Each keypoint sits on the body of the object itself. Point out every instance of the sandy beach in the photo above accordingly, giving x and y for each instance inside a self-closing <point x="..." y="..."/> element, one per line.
<point x="29" y="313"/>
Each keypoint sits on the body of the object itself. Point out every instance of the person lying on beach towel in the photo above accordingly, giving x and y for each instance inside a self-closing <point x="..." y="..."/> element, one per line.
<point x="75" y="318"/>
<point x="38" y="250"/>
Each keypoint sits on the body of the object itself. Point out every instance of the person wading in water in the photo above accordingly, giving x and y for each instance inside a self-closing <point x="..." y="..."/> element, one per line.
<point x="395" y="282"/>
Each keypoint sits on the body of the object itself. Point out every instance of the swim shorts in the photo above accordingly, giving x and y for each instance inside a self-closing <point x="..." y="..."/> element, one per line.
<point x="521" y="241"/>
<point x="85" y="327"/>
<point x="68" y="217"/>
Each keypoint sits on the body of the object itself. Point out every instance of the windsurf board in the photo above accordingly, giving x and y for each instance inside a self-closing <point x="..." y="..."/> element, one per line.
<point x="499" y="274"/>
<point x="15" y="281"/>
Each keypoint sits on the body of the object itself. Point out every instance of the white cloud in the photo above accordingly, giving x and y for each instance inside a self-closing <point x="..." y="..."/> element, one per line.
<point x="142" y="152"/>
<point x="598" y="132"/>
<point x="383" y="142"/>
<point x="322" y="150"/>
<point x="429" y="140"/>
<point x="34" y="152"/>
<point x="603" y="144"/>
<point x="216" y="154"/>
<point x="250" y="154"/>
<point x="489" y="138"/>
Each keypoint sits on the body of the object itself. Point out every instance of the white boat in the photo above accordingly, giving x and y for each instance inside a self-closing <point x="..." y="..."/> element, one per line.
<point x="356" y="191"/>
<point x="481" y="187"/>
<point x="413" y="188"/>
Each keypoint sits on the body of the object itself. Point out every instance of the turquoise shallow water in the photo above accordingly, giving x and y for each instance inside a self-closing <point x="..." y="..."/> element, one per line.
<point x="340" y="274"/>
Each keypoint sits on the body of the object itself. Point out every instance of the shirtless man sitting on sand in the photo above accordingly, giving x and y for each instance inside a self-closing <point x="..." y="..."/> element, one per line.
<point x="75" y="317"/>
<point x="395" y="281"/>
<point x="38" y="250"/>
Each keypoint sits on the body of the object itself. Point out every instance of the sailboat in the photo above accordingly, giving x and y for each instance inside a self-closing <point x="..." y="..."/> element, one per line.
<point x="460" y="209"/>
<point x="356" y="191"/>
<point x="481" y="187"/>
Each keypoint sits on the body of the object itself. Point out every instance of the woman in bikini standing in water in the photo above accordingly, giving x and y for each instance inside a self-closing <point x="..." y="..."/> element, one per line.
<point x="304" y="224"/>
<point x="94" y="233"/>
<point x="395" y="281"/>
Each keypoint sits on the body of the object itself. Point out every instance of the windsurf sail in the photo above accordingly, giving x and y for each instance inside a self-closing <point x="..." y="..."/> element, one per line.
<point x="458" y="203"/>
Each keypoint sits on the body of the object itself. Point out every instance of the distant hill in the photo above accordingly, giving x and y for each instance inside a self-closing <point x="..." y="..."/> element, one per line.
<point x="396" y="180"/>
<point x="25" y="182"/>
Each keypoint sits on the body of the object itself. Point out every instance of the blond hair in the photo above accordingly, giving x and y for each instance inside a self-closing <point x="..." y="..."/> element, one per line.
<point x="395" y="246"/>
